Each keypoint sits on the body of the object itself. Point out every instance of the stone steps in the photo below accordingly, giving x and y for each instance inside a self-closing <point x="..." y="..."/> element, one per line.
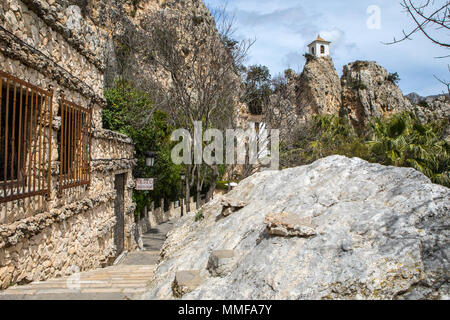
<point x="127" y="280"/>
<point x="117" y="282"/>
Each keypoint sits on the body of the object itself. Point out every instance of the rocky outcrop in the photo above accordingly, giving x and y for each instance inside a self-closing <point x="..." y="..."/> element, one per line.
<point x="365" y="90"/>
<point x="230" y="206"/>
<point x="319" y="88"/>
<point x="379" y="233"/>
<point x="127" y="51"/>
<point x="368" y="90"/>
<point x="288" y="224"/>
<point x="431" y="108"/>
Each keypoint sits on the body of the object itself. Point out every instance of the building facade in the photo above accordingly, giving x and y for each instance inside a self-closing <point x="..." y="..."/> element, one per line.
<point x="65" y="182"/>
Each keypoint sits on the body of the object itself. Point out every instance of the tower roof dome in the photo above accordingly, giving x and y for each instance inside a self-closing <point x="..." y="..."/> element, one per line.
<point x="319" y="39"/>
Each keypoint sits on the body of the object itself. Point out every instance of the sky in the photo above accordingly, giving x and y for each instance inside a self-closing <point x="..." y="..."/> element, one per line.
<point x="356" y="28"/>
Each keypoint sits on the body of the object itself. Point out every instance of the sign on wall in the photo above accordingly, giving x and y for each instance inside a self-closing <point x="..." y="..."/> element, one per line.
<point x="144" y="184"/>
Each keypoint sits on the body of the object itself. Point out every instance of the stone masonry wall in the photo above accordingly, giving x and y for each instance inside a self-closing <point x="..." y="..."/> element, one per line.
<point x="48" y="43"/>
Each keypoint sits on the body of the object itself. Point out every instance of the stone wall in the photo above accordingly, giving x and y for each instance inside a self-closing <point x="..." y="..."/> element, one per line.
<point x="49" y="44"/>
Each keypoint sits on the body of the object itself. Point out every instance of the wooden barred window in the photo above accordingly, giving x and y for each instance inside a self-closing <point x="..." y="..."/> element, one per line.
<point x="25" y="139"/>
<point x="75" y="145"/>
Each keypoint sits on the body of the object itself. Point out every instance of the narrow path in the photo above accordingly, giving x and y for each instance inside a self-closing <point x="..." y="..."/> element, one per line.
<point x="127" y="280"/>
<point x="153" y="241"/>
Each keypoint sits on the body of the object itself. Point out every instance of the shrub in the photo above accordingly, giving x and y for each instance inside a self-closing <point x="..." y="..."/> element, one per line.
<point x="360" y="86"/>
<point x="400" y="140"/>
<point x="405" y="142"/>
<point x="308" y="57"/>
<point x="199" y="216"/>
<point x="222" y="185"/>
<point x="423" y="103"/>
<point x="394" y="77"/>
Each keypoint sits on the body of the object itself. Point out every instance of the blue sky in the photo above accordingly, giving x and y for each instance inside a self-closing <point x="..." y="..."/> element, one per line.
<point x="284" y="28"/>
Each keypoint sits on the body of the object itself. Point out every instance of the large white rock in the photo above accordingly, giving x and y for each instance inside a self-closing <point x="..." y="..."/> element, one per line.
<point x="381" y="233"/>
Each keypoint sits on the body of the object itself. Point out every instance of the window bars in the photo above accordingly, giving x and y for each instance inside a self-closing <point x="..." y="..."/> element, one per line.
<point x="25" y="139"/>
<point x="75" y="145"/>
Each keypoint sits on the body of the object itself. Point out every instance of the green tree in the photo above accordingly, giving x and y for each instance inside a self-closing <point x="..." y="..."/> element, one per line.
<point x="131" y="112"/>
<point x="394" y="77"/>
<point x="257" y="87"/>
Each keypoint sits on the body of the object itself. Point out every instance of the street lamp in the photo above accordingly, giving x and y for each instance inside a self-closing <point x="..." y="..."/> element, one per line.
<point x="183" y="177"/>
<point x="150" y="158"/>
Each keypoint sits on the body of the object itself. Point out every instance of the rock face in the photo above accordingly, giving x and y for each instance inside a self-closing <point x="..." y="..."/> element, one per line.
<point x="432" y="108"/>
<point x="221" y="262"/>
<point x="319" y="88"/>
<point x="369" y="91"/>
<point x="365" y="90"/>
<point x="289" y="225"/>
<point x="185" y="282"/>
<point x="380" y="233"/>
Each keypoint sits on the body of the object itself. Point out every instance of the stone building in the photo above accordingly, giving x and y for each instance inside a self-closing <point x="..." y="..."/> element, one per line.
<point x="319" y="48"/>
<point x="65" y="182"/>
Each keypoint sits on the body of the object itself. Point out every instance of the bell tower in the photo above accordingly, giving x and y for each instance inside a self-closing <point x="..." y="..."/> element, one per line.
<point x="319" y="48"/>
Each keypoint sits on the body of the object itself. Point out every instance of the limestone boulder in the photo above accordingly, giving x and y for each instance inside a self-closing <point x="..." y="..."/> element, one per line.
<point x="185" y="282"/>
<point x="230" y="205"/>
<point x="380" y="233"/>
<point x="289" y="225"/>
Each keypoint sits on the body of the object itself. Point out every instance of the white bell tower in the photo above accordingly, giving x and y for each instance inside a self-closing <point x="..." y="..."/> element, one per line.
<point x="319" y="48"/>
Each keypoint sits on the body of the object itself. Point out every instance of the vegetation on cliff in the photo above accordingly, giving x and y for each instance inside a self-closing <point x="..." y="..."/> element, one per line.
<point x="400" y="140"/>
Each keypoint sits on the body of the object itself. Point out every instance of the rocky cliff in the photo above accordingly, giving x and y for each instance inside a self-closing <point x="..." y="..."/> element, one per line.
<point x="318" y="89"/>
<point x="368" y="90"/>
<point x="128" y="51"/>
<point x="111" y="33"/>
<point x="365" y="90"/>
<point x="336" y="229"/>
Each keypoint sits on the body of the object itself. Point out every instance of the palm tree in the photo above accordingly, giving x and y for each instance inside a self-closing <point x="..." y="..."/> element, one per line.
<point x="403" y="141"/>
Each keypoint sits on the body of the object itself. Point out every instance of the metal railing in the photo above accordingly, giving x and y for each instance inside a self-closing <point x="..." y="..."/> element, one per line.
<point x="25" y="139"/>
<point x="75" y="145"/>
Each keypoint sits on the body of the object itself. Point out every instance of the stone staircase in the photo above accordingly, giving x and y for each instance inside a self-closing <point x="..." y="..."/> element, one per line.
<point x="127" y="280"/>
<point x="112" y="283"/>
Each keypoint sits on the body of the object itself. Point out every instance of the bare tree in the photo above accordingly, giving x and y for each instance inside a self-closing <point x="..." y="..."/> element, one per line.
<point x="445" y="82"/>
<point x="431" y="18"/>
<point x="202" y="76"/>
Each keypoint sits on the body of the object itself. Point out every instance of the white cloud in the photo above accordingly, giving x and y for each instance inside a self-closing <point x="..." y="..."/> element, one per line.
<point x="284" y="28"/>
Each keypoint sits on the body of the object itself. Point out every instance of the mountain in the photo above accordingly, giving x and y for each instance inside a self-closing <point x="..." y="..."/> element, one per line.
<point x="416" y="98"/>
